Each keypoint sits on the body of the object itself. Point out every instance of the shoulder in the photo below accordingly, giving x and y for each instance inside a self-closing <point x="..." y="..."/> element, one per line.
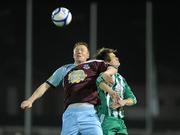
<point x="97" y="64"/>
<point x="94" y="61"/>
<point x="120" y="76"/>
<point x="66" y="66"/>
<point x="69" y="65"/>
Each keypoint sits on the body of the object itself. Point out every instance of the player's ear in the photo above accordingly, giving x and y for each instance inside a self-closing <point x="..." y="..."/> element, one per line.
<point x="88" y="55"/>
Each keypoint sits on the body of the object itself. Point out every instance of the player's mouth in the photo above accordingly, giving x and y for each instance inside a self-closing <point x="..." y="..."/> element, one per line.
<point x="79" y="56"/>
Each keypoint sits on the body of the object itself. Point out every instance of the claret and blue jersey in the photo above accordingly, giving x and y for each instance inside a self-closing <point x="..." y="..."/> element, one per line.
<point x="84" y="75"/>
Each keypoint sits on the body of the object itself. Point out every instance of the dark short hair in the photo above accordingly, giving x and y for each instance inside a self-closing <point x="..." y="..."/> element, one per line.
<point x="80" y="43"/>
<point x="103" y="54"/>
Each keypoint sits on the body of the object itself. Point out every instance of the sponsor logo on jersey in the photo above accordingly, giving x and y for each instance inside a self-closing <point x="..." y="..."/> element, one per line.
<point x="86" y="66"/>
<point x="76" y="76"/>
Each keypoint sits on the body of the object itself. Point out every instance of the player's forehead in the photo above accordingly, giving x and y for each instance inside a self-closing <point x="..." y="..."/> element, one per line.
<point x="112" y="55"/>
<point x="80" y="47"/>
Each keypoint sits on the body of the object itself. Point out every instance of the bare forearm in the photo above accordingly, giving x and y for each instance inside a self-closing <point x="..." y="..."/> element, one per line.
<point x="39" y="92"/>
<point x="106" y="88"/>
<point x="111" y="70"/>
<point x="108" y="73"/>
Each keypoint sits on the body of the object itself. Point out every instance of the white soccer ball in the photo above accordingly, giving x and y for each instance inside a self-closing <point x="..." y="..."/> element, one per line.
<point x="61" y="16"/>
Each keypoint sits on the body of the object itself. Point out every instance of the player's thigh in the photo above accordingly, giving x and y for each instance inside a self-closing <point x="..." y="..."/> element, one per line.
<point x="92" y="130"/>
<point x="89" y="123"/>
<point x="69" y="124"/>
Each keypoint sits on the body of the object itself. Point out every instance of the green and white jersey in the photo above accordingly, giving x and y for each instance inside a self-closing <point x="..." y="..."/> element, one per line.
<point x="120" y="85"/>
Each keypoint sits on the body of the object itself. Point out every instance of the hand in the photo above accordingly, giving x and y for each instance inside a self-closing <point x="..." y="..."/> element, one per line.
<point x="115" y="105"/>
<point x="122" y="103"/>
<point x="118" y="103"/>
<point x="26" y="104"/>
<point x="114" y="95"/>
<point x="116" y="100"/>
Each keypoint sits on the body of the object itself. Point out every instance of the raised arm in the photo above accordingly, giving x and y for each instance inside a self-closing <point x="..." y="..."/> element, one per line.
<point x="103" y="86"/>
<point x="108" y="73"/>
<point x="37" y="94"/>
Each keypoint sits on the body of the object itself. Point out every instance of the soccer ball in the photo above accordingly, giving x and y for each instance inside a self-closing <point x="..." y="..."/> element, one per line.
<point x="61" y="16"/>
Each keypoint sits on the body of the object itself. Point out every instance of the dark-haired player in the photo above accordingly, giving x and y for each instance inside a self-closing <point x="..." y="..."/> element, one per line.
<point x="111" y="110"/>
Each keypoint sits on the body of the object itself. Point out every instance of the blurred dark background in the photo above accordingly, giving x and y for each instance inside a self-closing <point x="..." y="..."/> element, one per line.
<point x="121" y="25"/>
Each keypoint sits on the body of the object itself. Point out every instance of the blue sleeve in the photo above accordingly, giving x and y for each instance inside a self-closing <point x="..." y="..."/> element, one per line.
<point x="57" y="77"/>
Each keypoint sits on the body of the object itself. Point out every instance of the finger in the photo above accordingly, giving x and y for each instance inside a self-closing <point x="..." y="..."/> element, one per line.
<point x="23" y="107"/>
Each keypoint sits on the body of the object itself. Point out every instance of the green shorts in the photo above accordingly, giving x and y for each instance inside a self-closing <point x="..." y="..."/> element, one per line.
<point x="114" y="126"/>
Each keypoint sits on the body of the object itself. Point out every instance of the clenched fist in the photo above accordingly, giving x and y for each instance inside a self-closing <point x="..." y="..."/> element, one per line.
<point x="26" y="104"/>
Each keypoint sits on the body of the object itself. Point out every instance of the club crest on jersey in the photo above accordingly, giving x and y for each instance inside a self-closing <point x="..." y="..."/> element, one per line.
<point x="76" y="76"/>
<point x="86" y="66"/>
